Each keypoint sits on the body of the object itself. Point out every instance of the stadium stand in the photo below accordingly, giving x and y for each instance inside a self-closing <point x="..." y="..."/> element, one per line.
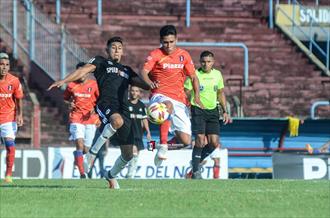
<point x="278" y="71"/>
<point x="281" y="80"/>
<point x="53" y="134"/>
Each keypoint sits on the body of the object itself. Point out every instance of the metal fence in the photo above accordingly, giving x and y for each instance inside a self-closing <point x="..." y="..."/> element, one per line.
<point x="308" y="33"/>
<point x="32" y="36"/>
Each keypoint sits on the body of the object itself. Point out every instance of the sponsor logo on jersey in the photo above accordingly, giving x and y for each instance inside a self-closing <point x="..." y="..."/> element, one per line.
<point x="172" y="66"/>
<point x="137" y="116"/>
<point x="5" y="95"/>
<point x="112" y="70"/>
<point x="119" y="72"/>
<point x="82" y="95"/>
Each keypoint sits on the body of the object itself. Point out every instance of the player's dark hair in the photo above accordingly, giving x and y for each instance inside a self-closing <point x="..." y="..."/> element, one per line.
<point x="80" y="64"/>
<point x="114" y="39"/>
<point x="206" y="54"/>
<point x="167" y="30"/>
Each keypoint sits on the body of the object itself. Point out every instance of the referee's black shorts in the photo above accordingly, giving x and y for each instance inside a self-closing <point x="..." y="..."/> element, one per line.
<point x="205" y="121"/>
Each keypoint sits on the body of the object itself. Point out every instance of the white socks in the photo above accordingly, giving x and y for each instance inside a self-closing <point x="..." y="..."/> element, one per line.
<point x="132" y="166"/>
<point x="107" y="132"/>
<point x="118" y="166"/>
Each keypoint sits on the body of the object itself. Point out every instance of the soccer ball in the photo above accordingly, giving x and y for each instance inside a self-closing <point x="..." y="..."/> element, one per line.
<point x="157" y="113"/>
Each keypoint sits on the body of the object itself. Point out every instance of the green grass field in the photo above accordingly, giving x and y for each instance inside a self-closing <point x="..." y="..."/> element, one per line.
<point x="165" y="198"/>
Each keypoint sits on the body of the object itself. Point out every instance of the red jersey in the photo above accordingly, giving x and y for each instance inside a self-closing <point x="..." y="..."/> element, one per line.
<point x="84" y="96"/>
<point x="10" y="90"/>
<point x="170" y="71"/>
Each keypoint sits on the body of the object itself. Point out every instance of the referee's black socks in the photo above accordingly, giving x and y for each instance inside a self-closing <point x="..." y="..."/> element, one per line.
<point x="196" y="158"/>
<point x="207" y="150"/>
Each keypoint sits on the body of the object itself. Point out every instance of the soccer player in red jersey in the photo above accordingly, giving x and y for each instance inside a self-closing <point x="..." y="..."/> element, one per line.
<point x="81" y="95"/>
<point x="11" y="111"/>
<point x="165" y="71"/>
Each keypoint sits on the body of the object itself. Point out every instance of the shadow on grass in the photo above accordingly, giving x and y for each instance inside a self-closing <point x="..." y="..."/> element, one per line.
<point x="9" y="186"/>
<point x="35" y="186"/>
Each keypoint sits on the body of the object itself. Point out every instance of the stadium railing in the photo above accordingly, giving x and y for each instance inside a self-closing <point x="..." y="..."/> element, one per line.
<point x="308" y="34"/>
<point x="317" y="104"/>
<point x="34" y="37"/>
<point x="224" y="44"/>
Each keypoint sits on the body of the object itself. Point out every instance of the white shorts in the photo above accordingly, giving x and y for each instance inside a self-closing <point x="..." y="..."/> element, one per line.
<point x="180" y="116"/>
<point x="83" y="131"/>
<point x="8" y="130"/>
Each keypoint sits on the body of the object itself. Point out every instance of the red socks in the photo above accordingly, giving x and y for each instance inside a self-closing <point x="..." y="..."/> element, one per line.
<point x="79" y="161"/>
<point x="163" y="131"/>
<point x="216" y="172"/>
<point x="10" y="158"/>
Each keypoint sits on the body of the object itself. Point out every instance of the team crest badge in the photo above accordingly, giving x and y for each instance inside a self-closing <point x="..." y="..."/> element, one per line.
<point x="10" y="87"/>
<point x="130" y="108"/>
<point x="89" y="89"/>
<point x="181" y="58"/>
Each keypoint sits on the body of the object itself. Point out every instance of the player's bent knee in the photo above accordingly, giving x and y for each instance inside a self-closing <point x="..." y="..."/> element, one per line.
<point x="117" y="121"/>
<point x="186" y="140"/>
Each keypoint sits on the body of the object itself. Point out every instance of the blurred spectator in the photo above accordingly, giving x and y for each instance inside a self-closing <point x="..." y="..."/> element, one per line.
<point x="323" y="149"/>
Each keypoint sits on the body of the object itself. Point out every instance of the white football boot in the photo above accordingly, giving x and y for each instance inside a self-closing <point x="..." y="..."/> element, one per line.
<point x="161" y="154"/>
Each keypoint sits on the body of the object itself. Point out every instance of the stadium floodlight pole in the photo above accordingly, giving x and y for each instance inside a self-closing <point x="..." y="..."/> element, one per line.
<point x="15" y="29"/>
<point x="58" y="11"/>
<point x="271" y="23"/>
<point x="99" y="12"/>
<point x="315" y="105"/>
<point x="225" y="44"/>
<point x="188" y="13"/>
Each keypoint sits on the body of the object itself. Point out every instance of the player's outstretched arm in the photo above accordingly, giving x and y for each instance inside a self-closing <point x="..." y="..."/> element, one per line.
<point x="137" y="81"/>
<point x="77" y="74"/>
<point x="144" y="75"/>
